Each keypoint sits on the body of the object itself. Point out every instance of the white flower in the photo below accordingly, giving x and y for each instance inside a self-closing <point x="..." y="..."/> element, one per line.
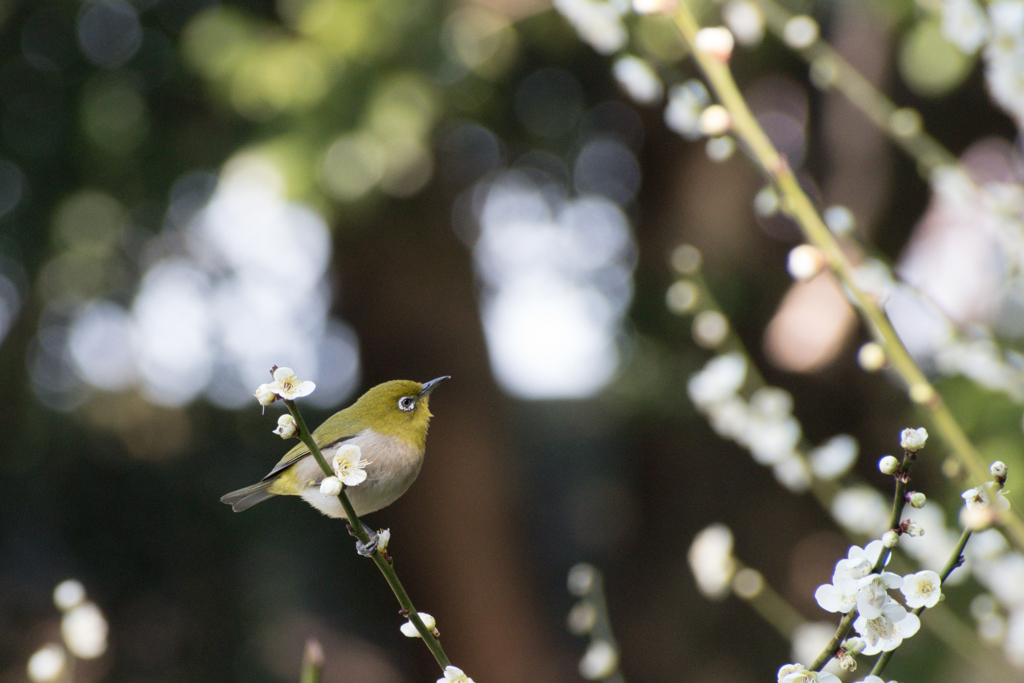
<point x="922" y="589"/>
<point x="597" y="23"/>
<point x="330" y="486"/>
<point x="265" y="395"/>
<point x="409" y="629"/>
<point x="454" y="673"/>
<point x="913" y="439"/>
<point x="745" y="20"/>
<point x="599" y="661"/>
<point x="47" y="663"/>
<point x="68" y="594"/>
<point x="871" y="593"/>
<point x="85" y="631"/>
<point x="286" y="426"/>
<point x="833" y="598"/>
<point x="686" y="102"/>
<point x="349" y="465"/>
<point x="771" y="440"/>
<point x="805" y="676"/>
<point x="288" y="386"/>
<point x="983" y="504"/>
<point x="638" y="79"/>
<point x="841" y="594"/>
<point x="888" y="630"/>
<point x="720" y="378"/>
<point x="964" y="24"/>
<point x="793" y="473"/>
<point x="799" y="32"/>
<point x="835" y="457"/>
<point x="787" y="669"/>
<point x="711" y="560"/>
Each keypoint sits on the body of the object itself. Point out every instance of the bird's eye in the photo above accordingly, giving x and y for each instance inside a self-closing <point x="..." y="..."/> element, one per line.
<point x="406" y="403"/>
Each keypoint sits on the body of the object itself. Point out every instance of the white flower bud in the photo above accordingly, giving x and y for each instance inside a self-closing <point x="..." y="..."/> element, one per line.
<point x="716" y="41"/>
<point x="854" y="645"/>
<point x="888" y="465"/>
<point x="715" y="121"/>
<point x="286" y="426"/>
<point x="913" y="439"/>
<point x="599" y="661"/>
<point x="805" y="261"/>
<point x="330" y="486"/>
<point x="85" y="631"/>
<point x="800" y="32"/>
<point x="914" y="529"/>
<point x="871" y="357"/>
<point x="68" y="594"/>
<point x="265" y="395"/>
<point x="582" y="578"/>
<point x="890" y="539"/>
<point x="916" y="499"/>
<point x="383" y="538"/>
<point x="998" y="469"/>
<point x="47" y="664"/>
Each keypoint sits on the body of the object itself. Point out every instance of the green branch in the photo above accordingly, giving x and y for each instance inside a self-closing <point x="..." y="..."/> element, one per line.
<point x="378" y="557"/>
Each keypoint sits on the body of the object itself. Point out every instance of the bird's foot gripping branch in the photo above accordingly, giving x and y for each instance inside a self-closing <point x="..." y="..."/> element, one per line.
<point x="376" y="448"/>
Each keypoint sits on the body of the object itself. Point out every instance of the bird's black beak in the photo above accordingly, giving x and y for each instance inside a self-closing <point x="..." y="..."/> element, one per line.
<point x="429" y="386"/>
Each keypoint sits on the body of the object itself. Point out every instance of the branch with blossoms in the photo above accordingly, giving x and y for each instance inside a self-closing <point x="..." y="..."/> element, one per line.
<point x="711" y="48"/>
<point x="346" y="471"/>
<point x="860" y="586"/>
<point x="722" y="389"/>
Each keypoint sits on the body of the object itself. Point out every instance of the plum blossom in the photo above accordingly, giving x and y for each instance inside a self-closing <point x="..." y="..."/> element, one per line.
<point x="887" y="631"/>
<point x="922" y="589"/>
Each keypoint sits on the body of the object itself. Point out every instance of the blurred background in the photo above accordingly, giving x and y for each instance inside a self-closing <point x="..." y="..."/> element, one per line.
<point x="193" y="191"/>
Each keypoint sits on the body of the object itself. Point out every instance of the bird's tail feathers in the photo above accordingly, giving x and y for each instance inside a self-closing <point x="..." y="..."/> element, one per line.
<point x="243" y="499"/>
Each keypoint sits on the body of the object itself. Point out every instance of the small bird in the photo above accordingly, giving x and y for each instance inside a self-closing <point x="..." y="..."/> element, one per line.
<point x="389" y="425"/>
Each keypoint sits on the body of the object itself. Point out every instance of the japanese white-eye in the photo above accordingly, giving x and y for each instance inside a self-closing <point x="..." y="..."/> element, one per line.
<point x="389" y="425"/>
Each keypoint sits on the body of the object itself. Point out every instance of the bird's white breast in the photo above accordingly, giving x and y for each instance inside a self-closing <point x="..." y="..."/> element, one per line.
<point x="393" y="466"/>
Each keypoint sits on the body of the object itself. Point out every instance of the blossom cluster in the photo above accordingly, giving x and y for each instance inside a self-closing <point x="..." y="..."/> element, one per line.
<point x="999" y="34"/>
<point x="881" y="622"/>
<point x="285" y="385"/>
<point x="83" y="629"/>
<point x="765" y="425"/>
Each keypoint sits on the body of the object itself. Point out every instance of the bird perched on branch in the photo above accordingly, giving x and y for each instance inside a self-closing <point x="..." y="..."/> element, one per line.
<point x="389" y="425"/>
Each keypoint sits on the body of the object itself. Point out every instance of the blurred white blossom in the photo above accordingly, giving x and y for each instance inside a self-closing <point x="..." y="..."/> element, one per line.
<point x="711" y="560"/>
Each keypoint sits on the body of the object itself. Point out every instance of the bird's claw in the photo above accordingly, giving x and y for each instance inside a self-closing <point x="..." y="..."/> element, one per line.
<point x="367" y="549"/>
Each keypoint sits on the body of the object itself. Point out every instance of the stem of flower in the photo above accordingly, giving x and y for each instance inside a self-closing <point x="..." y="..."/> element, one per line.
<point x="433" y="644"/>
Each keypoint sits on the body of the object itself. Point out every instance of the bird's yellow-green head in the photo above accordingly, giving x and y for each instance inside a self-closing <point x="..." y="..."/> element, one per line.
<point x="399" y="408"/>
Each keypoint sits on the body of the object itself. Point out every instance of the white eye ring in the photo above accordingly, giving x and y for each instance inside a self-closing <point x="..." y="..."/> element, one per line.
<point x="406" y="403"/>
